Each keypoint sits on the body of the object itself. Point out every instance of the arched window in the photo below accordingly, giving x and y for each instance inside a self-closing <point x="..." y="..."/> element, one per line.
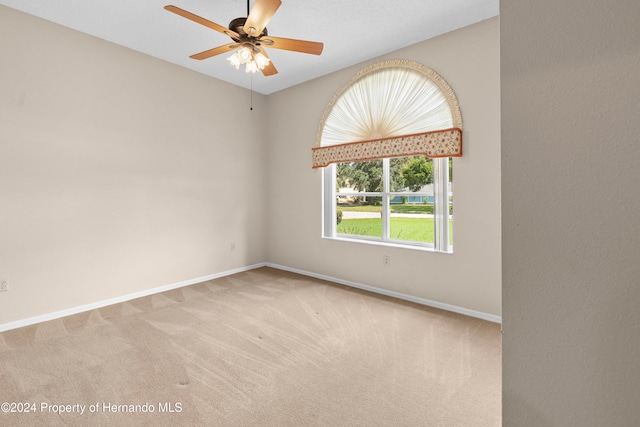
<point x="386" y="141"/>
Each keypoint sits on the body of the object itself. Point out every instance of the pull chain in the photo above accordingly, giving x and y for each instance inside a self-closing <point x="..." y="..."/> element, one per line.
<point x="250" y="74"/>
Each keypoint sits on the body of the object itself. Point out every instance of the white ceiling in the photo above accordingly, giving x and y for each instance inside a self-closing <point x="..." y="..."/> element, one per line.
<point x="352" y="30"/>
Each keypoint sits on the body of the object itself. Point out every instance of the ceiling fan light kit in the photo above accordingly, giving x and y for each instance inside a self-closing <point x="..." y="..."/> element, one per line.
<point x="250" y="37"/>
<point x="253" y="60"/>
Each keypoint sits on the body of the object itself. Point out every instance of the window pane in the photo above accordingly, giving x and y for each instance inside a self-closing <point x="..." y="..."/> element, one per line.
<point x="410" y="173"/>
<point x="360" y="220"/>
<point x="411" y="215"/>
<point x="412" y="218"/>
<point x="411" y="227"/>
<point x="359" y="215"/>
<point x="359" y="176"/>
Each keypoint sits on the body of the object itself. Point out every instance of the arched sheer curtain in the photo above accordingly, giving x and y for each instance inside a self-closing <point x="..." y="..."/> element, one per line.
<point x="391" y="109"/>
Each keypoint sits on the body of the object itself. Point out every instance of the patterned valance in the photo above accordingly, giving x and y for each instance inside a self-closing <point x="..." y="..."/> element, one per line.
<point x="439" y="143"/>
<point x="390" y="109"/>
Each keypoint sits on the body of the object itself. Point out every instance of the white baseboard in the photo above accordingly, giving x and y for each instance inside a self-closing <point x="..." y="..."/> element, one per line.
<point x="480" y="315"/>
<point x="116" y="300"/>
<point x="147" y="292"/>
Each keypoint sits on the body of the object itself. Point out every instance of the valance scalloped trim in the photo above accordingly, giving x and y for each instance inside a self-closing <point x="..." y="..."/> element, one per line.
<point x="434" y="144"/>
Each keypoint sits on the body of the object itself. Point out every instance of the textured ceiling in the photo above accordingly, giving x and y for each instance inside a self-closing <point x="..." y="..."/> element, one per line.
<point x="352" y="30"/>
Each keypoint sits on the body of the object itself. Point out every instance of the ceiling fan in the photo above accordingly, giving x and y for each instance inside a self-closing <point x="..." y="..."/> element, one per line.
<point x="250" y="37"/>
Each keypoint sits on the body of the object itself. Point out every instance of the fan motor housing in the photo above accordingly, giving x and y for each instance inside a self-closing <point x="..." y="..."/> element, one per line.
<point x="238" y="24"/>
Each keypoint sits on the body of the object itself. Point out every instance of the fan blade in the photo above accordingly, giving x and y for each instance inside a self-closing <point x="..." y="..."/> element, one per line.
<point x="303" y="46"/>
<point x="202" y="21"/>
<point x="261" y="13"/>
<point x="270" y="69"/>
<point x="215" y="51"/>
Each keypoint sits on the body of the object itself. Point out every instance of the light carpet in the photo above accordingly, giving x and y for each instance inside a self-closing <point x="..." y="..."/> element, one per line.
<point x="260" y="348"/>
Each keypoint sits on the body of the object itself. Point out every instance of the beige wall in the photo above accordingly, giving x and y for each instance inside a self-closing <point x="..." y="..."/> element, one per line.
<point x="119" y="173"/>
<point x="470" y="278"/>
<point x="571" y="203"/>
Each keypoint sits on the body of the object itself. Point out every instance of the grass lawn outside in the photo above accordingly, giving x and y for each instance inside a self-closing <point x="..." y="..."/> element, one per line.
<point x="409" y="229"/>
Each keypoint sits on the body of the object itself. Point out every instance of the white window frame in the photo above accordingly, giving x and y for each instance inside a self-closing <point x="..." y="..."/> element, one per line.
<point x="441" y="192"/>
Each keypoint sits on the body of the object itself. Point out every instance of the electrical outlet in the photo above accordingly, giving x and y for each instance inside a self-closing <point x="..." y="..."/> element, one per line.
<point x="233" y="247"/>
<point x="386" y="260"/>
<point x="4" y="285"/>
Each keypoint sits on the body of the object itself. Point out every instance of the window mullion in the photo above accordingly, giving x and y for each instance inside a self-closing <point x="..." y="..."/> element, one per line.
<point x="385" y="211"/>
<point x="329" y="211"/>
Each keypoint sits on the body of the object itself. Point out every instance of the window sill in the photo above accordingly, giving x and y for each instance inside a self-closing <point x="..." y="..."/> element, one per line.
<point x="417" y="247"/>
